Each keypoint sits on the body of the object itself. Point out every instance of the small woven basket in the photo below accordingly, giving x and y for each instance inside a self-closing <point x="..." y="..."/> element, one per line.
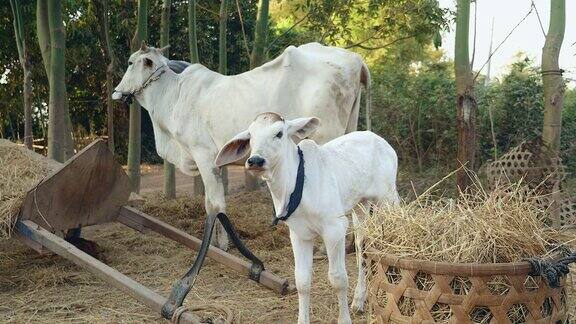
<point x="414" y="291"/>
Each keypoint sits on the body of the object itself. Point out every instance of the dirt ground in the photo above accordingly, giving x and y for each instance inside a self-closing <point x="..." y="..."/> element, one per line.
<point x="49" y="289"/>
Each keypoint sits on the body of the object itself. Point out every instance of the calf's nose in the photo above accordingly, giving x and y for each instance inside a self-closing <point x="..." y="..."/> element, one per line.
<point x="256" y="161"/>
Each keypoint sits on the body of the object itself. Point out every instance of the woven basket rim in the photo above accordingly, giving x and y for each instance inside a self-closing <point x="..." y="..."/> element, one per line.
<point x="451" y="268"/>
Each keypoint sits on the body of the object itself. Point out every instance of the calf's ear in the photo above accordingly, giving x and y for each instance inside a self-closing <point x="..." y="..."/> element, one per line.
<point x="303" y="127"/>
<point x="234" y="150"/>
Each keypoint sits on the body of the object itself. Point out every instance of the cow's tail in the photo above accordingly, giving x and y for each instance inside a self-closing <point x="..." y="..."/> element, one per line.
<point x="366" y="81"/>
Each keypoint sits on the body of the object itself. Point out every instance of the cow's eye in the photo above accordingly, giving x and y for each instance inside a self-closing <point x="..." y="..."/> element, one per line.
<point x="148" y="62"/>
<point x="129" y="63"/>
<point x="279" y="134"/>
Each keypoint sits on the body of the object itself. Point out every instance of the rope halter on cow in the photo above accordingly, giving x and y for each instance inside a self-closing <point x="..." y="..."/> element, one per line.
<point x="129" y="97"/>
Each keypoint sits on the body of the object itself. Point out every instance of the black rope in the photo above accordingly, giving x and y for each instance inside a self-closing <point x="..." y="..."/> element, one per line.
<point x="183" y="286"/>
<point x="296" y="195"/>
<point x="552" y="72"/>
<point x="552" y="271"/>
<point x="257" y="265"/>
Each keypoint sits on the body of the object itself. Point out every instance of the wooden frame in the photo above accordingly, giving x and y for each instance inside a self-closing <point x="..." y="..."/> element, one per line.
<point x="138" y="220"/>
<point x="99" y="194"/>
<point x="56" y="244"/>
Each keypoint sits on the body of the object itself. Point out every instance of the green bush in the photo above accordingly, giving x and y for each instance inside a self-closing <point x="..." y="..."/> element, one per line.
<point x="414" y="108"/>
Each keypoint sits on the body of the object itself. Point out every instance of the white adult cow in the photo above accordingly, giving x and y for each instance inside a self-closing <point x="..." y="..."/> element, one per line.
<point x="196" y="111"/>
<point x="313" y="188"/>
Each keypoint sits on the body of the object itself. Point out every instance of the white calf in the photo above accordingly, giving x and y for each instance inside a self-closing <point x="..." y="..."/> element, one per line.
<point x="313" y="187"/>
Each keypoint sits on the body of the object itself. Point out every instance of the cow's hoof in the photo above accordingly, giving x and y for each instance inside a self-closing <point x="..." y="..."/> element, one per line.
<point x="219" y="242"/>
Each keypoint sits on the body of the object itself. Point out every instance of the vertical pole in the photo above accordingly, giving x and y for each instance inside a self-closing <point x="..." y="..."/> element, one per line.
<point x="223" y="65"/>
<point x="466" y="102"/>
<point x="552" y="82"/>
<point x="134" y="134"/>
<point x="169" y="169"/>
<point x="194" y="58"/>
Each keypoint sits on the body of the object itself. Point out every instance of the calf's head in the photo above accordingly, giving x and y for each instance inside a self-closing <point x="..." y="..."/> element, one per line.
<point x="268" y="139"/>
<point x="142" y="64"/>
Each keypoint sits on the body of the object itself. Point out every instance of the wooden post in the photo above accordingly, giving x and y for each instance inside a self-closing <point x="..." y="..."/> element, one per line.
<point x="169" y="169"/>
<point x="134" y="136"/>
<point x="194" y="58"/>
<point x="223" y="65"/>
<point x="257" y="58"/>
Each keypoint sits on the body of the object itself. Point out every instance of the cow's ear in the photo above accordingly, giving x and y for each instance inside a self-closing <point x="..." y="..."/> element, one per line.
<point x="234" y="150"/>
<point x="303" y="127"/>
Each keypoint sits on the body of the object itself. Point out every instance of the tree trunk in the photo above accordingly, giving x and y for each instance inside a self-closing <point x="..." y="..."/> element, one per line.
<point x="59" y="135"/>
<point x="223" y="65"/>
<point x="192" y="38"/>
<point x="466" y="101"/>
<point x="101" y="10"/>
<point x="43" y="33"/>
<point x="222" y="53"/>
<point x="134" y="136"/>
<point x="169" y="170"/>
<point x="194" y="58"/>
<point x="257" y="57"/>
<point x="25" y="62"/>
<point x="552" y="82"/>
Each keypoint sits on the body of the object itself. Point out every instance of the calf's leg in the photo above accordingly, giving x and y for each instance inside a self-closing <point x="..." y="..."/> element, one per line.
<point x="303" y="256"/>
<point x="335" y="241"/>
<point x="360" y="290"/>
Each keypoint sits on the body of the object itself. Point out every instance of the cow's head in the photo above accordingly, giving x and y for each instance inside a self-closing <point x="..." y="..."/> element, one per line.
<point x="268" y="139"/>
<point x="142" y="64"/>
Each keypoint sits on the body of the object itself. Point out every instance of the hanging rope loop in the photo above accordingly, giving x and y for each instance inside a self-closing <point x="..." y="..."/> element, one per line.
<point x="552" y="271"/>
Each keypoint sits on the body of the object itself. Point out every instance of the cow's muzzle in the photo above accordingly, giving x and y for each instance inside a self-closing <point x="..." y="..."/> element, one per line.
<point x="126" y="97"/>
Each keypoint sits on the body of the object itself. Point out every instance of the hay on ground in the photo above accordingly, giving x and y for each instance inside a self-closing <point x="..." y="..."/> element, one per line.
<point x="20" y="170"/>
<point x="51" y="289"/>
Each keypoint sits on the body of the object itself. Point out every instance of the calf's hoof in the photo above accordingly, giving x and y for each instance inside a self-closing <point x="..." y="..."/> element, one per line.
<point x="346" y="320"/>
<point x="358" y="306"/>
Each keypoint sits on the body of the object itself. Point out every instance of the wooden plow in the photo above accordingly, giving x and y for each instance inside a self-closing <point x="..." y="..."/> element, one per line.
<point x="91" y="188"/>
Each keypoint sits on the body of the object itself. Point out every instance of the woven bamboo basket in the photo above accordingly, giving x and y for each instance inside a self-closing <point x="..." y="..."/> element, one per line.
<point x="415" y="291"/>
<point x="542" y="171"/>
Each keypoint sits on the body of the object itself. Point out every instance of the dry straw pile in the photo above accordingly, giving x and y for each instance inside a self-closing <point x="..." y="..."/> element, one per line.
<point x="503" y="225"/>
<point x="20" y="170"/>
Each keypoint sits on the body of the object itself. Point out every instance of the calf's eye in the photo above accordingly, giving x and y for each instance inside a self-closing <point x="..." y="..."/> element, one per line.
<point x="129" y="63"/>
<point x="279" y="134"/>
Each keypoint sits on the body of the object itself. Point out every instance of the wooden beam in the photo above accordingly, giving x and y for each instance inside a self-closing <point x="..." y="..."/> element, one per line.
<point x="148" y="297"/>
<point x="137" y="220"/>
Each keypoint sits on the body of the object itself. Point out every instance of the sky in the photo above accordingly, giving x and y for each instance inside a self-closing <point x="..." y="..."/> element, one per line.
<point x="527" y="38"/>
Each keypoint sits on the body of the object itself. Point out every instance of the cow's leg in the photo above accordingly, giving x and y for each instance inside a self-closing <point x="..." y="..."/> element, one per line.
<point x="214" y="199"/>
<point x="303" y="252"/>
<point x="335" y="241"/>
<point x="360" y="290"/>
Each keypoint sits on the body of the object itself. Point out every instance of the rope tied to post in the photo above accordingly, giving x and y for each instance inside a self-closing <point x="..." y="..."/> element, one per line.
<point x="552" y="271"/>
<point x="552" y="72"/>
